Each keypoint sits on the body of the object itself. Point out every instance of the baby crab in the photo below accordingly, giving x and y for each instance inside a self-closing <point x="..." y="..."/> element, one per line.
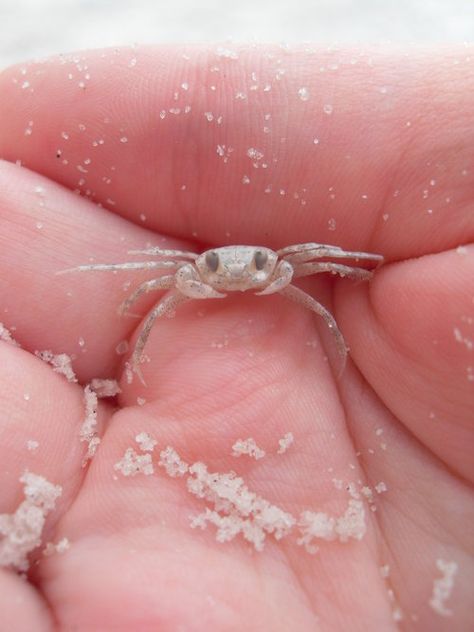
<point x="236" y="268"/>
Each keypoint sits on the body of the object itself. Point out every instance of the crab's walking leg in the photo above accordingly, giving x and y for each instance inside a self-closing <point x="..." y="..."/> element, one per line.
<point x="138" y="265"/>
<point x="163" y="283"/>
<point x="305" y="269"/>
<point x="295" y="248"/>
<point x="297" y="295"/>
<point x="166" y="306"/>
<point x="333" y="253"/>
<point x="162" y="252"/>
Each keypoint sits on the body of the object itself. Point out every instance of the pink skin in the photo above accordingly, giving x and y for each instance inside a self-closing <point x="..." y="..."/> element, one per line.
<point x="384" y="159"/>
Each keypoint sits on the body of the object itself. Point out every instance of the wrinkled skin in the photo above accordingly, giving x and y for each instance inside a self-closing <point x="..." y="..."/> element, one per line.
<point x="244" y="366"/>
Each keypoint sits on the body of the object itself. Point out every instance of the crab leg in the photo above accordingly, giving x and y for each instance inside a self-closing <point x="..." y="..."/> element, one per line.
<point x="297" y="295"/>
<point x="305" y="269"/>
<point x="156" y="250"/>
<point x="138" y="265"/>
<point x="334" y="253"/>
<point x="163" y="283"/>
<point x="165" y="307"/>
<point x="303" y="247"/>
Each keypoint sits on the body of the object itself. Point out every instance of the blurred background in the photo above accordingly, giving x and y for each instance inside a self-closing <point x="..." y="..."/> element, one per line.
<point x="35" y="28"/>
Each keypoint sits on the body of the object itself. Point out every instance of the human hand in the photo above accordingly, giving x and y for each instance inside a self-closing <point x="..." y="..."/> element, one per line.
<point x="375" y="153"/>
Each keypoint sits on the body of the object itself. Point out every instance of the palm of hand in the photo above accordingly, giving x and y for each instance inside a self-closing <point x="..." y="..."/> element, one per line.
<point x="220" y="370"/>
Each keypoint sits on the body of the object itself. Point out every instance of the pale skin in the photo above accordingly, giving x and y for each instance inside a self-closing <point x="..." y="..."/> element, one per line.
<point x="246" y="366"/>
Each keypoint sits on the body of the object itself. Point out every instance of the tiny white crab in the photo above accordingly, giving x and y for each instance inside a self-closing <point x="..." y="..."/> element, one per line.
<point x="236" y="268"/>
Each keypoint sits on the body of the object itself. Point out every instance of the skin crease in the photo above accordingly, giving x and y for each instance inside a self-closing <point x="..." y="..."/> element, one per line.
<point x="393" y="167"/>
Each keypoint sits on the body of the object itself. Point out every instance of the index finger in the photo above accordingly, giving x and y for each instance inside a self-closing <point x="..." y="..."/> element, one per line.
<point x="257" y="145"/>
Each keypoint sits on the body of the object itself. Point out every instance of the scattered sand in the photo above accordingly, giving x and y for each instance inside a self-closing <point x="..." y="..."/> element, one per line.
<point x="442" y="587"/>
<point x="61" y="363"/>
<point x="249" y="447"/>
<point x="22" y="530"/>
<point x="285" y="442"/>
<point x="133" y="463"/>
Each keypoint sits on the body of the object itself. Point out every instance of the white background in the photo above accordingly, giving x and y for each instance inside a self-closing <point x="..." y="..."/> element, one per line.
<point x="34" y="28"/>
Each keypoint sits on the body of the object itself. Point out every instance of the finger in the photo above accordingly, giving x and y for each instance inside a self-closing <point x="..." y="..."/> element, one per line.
<point x="40" y="418"/>
<point x="277" y="146"/>
<point x="414" y="345"/>
<point x="21" y="607"/>
<point x="74" y="313"/>
<point x="417" y="502"/>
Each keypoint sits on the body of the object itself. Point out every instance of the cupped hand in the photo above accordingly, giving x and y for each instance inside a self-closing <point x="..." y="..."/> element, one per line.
<point x="109" y="151"/>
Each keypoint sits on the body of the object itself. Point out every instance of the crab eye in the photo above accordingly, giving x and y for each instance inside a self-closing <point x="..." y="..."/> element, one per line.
<point x="260" y="259"/>
<point x="212" y="260"/>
